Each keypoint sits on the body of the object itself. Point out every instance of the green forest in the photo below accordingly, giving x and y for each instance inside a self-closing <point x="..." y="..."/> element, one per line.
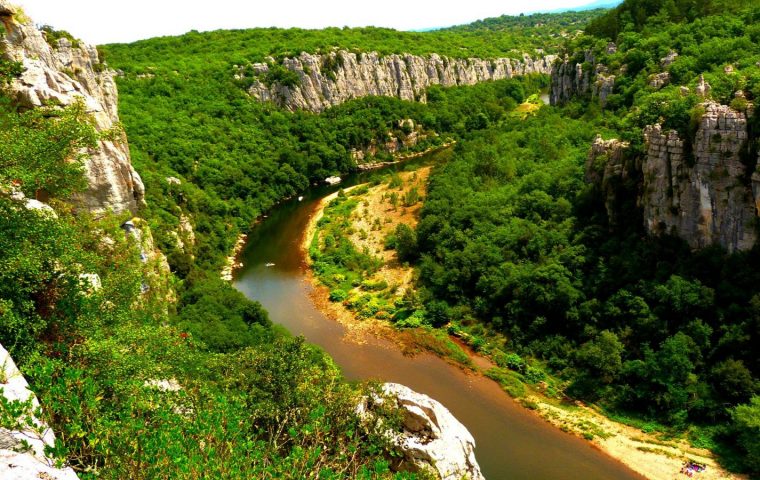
<point x="514" y="251"/>
<point x="513" y="242"/>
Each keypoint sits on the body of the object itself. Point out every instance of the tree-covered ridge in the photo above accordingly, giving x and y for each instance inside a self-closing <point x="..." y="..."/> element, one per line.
<point x="196" y="51"/>
<point x="642" y="325"/>
<point x="636" y="15"/>
<point x="540" y="24"/>
<point x="722" y="46"/>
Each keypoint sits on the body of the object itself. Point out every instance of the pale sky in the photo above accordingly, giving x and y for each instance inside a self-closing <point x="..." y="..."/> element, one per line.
<point x="106" y="21"/>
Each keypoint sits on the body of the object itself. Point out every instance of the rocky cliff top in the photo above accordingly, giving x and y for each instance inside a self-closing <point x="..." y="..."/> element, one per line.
<point x="62" y="74"/>
<point x="315" y="82"/>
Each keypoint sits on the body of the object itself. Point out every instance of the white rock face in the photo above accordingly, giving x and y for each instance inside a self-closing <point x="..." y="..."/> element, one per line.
<point x="31" y="464"/>
<point x="62" y="76"/>
<point x="432" y="438"/>
<point x="331" y="79"/>
<point x="43" y="209"/>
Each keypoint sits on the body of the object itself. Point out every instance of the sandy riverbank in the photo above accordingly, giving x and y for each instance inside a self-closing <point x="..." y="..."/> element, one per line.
<point x="645" y="453"/>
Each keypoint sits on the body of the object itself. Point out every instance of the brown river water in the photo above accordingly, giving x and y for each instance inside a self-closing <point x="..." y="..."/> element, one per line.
<point x="512" y="443"/>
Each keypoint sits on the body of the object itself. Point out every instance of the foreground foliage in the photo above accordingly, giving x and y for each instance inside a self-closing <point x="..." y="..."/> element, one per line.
<point x="128" y="394"/>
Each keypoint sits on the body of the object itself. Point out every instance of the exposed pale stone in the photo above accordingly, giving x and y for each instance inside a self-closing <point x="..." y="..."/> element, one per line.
<point x="164" y="385"/>
<point x="706" y="199"/>
<point x="90" y="281"/>
<point x="703" y="88"/>
<point x="32" y="463"/>
<point x="667" y="60"/>
<point x="63" y="76"/>
<point x="603" y="87"/>
<point x="569" y="81"/>
<point x="403" y="76"/>
<point x="659" y="80"/>
<point x="432" y="438"/>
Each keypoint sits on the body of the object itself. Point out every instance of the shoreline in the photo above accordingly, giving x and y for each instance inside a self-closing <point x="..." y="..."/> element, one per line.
<point x="641" y="452"/>
<point x="401" y="157"/>
<point x="231" y="263"/>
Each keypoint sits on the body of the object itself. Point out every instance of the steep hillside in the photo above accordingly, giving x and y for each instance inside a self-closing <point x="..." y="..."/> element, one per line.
<point x="638" y="288"/>
<point x="87" y="309"/>
<point x="686" y="91"/>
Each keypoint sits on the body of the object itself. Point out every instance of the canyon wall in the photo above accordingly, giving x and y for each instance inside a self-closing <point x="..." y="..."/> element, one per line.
<point x="331" y="79"/>
<point x="708" y="194"/>
<point x="63" y="74"/>
<point x="580" y="79"/>
<point x="707" y="199"/>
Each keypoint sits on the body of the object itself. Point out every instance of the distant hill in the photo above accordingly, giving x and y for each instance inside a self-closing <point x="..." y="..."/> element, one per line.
<point x="640" y="12"/>
<point x="541" y="22"/>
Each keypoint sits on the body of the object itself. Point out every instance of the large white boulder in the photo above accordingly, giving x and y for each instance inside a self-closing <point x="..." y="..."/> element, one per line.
<point x="432" y="439"/>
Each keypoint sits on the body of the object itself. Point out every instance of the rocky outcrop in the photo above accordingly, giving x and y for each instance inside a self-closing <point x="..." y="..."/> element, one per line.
<point x="659" y="80"/>
<point x="606" y="166"/>
<point x="22" y="446"/>
<point x="704" y="190"/>
<point x="232" y="262"/>
<point x="407" y="135"/>
<point x="326" y="80"/>
<point x="578" y="79"/>
<point x="708" y="199"/>
<point x="63" y="75"/>
<point x="432" y="439"/>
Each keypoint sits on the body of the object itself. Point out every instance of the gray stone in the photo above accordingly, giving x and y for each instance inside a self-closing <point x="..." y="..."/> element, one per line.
<point x="63" y="76"/>
<point x="659" y="80"/>
<point x="403" y="76"/>
<point x="706" y="199"/>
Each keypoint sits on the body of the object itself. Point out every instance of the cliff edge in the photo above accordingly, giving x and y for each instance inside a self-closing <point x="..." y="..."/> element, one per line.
<point x="63" y="72"/>
<point x="316" y="82"/>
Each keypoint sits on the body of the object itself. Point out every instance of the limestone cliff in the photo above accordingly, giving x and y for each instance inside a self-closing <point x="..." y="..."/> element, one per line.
<point x="60" y="75"/>
<point x="578" y="79"/>
<point x="708" y="194"/>
<point x="326" y="80"/>
<point x="708" y="199"/>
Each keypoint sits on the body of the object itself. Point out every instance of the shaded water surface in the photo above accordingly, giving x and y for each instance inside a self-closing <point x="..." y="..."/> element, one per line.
<point x="511" y="442"/>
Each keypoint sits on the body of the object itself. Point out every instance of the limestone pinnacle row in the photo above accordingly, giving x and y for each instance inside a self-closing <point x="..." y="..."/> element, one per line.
<point x="330" y="79"/>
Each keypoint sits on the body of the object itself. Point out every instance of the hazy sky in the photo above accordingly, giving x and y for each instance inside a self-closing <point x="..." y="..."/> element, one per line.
<point x="104" y="21"/>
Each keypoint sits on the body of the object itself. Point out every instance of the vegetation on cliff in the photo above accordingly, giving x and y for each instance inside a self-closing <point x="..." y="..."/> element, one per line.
<point x="84" y="311"/>
<point x="514" y="243"/>
<point x="515" y="252"/>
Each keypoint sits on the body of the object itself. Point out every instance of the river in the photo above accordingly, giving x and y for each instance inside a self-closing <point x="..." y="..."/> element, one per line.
<point x="512" y="443"/>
